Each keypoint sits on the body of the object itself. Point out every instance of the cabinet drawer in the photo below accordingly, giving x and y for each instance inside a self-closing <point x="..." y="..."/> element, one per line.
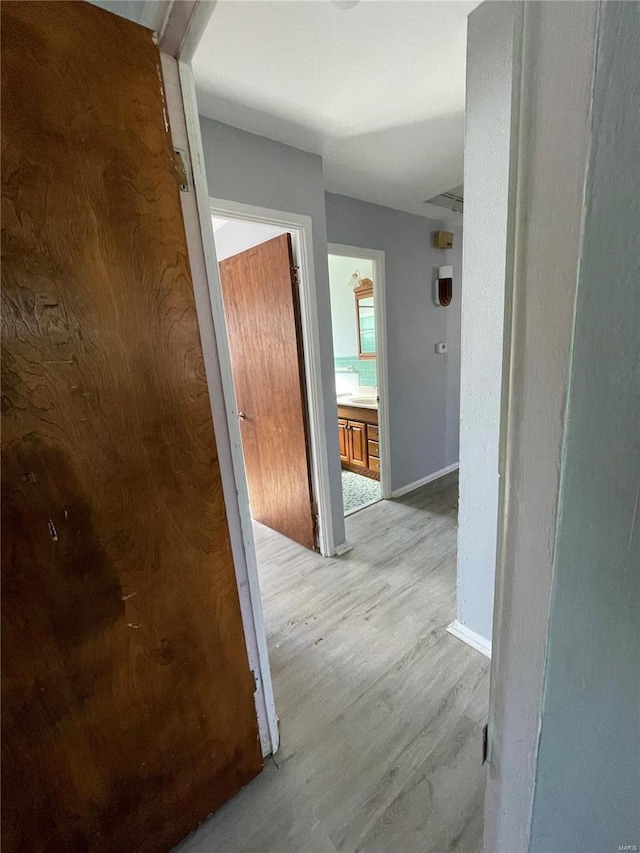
<point x="374" y="449"/>
<point x="372" y="433"/>
<point x="374" y="463"/>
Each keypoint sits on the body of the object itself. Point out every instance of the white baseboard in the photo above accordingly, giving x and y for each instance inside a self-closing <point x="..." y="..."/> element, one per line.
<point x="471" y="638"/>
<point x="398" y="493"/>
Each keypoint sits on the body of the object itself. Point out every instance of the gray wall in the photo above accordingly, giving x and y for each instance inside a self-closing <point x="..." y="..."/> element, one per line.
<point x="423" y="388"/>
<point x="588" y="771"/>
<point x="251" y="169"/>
<point x="486" y="181"/>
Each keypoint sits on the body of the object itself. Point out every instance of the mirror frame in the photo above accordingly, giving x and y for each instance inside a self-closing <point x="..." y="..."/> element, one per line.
<point x="363" y="291"/>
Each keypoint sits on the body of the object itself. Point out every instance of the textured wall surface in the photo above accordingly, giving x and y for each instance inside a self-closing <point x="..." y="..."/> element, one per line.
<point x="423" y="388"/>
<point x="588" y="775"/>
<point x="251" y="169"/>
<point x="486" y="181"/>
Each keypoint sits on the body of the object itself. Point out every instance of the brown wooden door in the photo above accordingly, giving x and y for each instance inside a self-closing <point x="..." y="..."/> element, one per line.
<point x="343" y="439"/>
<point x="358" y="443"/>
<point x="263" y="325"/>
<point x="127" y="700"/>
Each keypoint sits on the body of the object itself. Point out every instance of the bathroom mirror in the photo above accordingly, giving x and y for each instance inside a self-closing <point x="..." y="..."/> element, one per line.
<point x="365" y="319"/>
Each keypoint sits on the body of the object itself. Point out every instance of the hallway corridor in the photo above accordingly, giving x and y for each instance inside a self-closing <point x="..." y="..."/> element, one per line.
<point x="381" y="710"/>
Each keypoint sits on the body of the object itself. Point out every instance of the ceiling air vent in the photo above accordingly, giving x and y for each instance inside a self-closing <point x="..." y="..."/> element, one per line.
<point x="452" y="200"/>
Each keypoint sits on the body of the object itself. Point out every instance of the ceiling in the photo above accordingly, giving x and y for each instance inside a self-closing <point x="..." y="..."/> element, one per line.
<point x="376" y="88"/>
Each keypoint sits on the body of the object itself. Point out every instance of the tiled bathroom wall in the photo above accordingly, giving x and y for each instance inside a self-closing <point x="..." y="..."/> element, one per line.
<point x="366" y="368"/>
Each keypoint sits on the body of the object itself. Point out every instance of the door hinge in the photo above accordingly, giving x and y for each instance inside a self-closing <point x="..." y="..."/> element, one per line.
<point x="181" y="162"/>
<point x="295" y="275"/>
<point x="485" y="743"/>
<point x="255" y="681"/>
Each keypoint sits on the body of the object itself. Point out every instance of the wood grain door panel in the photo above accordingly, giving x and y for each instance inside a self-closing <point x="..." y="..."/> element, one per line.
<point x="128" y="710"/>
<point x="262" y="315"/>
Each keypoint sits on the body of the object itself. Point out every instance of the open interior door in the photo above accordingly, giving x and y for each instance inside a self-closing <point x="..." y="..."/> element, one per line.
<point x="128" y="713"/>
<point x="261" y="306"/>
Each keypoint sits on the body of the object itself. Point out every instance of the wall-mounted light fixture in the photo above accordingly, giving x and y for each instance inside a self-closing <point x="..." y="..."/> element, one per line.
<point x="355" y="280"/>
<point x="444" y="290"/>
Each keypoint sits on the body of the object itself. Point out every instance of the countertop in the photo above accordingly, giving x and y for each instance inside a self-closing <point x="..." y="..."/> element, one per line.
<point x="350" y="400"/>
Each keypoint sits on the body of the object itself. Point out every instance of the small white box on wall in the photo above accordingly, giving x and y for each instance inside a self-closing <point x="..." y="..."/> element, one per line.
<point x="444" y="289"/>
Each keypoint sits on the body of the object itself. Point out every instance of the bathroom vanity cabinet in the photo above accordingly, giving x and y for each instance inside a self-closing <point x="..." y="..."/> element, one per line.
<point x="358" y="438"/>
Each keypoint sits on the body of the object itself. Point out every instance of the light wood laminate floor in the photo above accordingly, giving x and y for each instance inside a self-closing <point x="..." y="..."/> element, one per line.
<point x="381" y="710"/>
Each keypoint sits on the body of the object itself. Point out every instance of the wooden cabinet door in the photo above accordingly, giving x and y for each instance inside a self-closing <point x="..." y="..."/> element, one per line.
<point x="358" y="444"/>
<point x="343" y="439"/>
<point x="128" y="713"/>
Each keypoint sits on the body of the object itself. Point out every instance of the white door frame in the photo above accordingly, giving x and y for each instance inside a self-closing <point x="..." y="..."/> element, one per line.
<point x="380" y="315"/>
<point x="553" y="44"/>
<point x="300" y="227"/>
<point x="204" y="269"/>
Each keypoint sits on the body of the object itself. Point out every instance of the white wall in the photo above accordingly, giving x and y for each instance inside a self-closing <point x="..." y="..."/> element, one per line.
<point x="587" y="793"/>
<point x="486" y="182"/>
<point x="235" y="235"/>
<point x="343" y="303"/>
<point x="250" y="169"/>
<point x="423" y="387"/>
<point x="563" y="736"/>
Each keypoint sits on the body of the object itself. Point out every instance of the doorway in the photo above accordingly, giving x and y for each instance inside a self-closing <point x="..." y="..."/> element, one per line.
<point x="262" y="315"/>
<point x="237" y="228"/>
<point x="356" y="279"/>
